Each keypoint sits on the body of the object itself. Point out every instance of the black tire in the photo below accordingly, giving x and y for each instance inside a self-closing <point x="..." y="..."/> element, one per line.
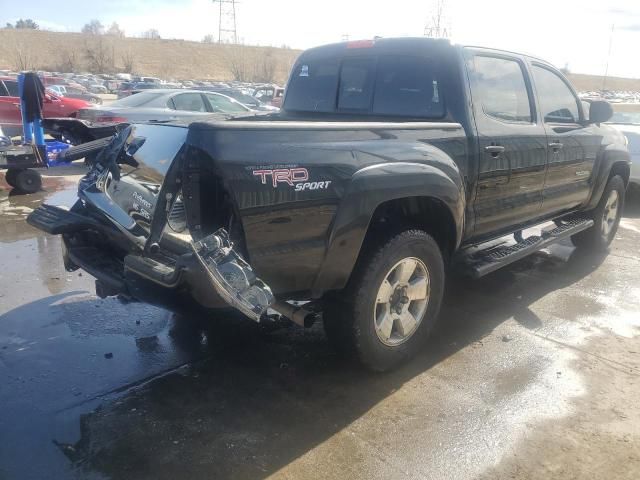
<point x="28" y="181"/>
<point x="10" y="176"/>
<point x="602" y="233"/>
<point x="349" y="318"/>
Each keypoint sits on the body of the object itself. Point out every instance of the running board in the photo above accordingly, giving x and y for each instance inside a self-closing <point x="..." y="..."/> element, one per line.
<point x="231" y="276"/>
<point x="481" y="262"/>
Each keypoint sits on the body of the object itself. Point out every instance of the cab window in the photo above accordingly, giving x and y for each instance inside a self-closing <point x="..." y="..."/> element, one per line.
<point x="501" y="88"/>
<point x="557" y="102"/>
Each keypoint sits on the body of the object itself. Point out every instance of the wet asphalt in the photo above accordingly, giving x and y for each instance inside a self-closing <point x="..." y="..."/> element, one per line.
<point x="533" y="372"/>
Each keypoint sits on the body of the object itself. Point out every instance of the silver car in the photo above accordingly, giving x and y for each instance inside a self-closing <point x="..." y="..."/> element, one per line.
<point x="164" y="105"/>
<point x="629" y="124"/>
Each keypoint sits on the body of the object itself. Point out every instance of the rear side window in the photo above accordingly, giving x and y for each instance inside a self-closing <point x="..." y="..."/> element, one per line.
<point x="407" y="86"/>
<point x="557" y="102"/>
<point x="501" y="88"/>
<point x="191" y="102"/>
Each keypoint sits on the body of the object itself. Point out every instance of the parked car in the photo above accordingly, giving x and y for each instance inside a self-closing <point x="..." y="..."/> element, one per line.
<point x="97" y="88"/>
<point x="70" y="92"/>
<point x="629" y="124"/>
<point x="391" y="161"/>
<point x="164" y="105"/>
<point x="131" y="88"/>
<point x="54" y="106"/>
<point x="247" y="100"/>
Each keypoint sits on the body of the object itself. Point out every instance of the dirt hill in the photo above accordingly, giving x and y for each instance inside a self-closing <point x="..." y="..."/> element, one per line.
<point x="179" y="59"/>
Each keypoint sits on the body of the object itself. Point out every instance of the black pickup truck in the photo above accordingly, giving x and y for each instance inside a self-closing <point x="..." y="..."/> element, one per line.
<point x="391" y="162"/>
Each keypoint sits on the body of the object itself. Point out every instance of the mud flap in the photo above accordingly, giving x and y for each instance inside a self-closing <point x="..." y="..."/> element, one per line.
<point x="231" y="276"/>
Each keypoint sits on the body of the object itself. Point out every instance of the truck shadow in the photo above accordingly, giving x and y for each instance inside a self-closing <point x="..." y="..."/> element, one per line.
<point x="262" y="399"/>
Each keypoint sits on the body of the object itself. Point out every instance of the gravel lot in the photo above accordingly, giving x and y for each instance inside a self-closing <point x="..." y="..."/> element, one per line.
<point x="533" y="373"/>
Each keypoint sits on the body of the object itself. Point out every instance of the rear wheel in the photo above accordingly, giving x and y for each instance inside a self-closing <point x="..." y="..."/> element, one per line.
<point x="391" y="303"/>
<point x="606" y="217"/>
<point x="10" y="176"/>
<point x="28" y="181"/>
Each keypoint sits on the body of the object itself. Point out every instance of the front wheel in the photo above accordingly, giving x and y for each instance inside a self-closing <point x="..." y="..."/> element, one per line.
<point x="606" y="217"/>
<point x="391" y="303"/>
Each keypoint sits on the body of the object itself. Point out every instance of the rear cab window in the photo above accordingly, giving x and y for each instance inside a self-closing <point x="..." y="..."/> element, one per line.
<point x="384" y="85"/>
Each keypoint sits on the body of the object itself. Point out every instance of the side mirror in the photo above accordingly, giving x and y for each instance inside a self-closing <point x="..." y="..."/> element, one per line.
<point x="600" y="111"/>
<point x="47" y="98"/>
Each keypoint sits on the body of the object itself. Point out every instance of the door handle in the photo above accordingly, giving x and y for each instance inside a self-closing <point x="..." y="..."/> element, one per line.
<point x="555" y="146"/>
<point x="494" y="150"/>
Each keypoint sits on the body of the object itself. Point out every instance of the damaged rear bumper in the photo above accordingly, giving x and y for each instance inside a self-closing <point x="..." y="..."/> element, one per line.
<point x="209" y="272"/>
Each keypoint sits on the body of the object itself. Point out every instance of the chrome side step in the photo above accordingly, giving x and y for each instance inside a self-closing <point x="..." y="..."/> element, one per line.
<point x="478" y="263"/>
<point x="231" y="276"/>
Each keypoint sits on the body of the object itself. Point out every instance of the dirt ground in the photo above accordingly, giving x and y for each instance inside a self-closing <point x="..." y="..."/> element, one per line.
<point x="533" y="373"/>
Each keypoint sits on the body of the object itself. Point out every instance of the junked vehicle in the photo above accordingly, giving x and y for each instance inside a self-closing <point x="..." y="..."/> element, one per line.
<point x="70" y="92"/>
<point x="53" y="107"/>
<point x="163" y="105"/>
<point x="391" y="162"/>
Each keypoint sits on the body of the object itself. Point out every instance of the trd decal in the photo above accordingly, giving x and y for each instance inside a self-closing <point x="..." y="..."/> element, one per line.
<point x="283" y="175"/>
<point x="296" y="176"/>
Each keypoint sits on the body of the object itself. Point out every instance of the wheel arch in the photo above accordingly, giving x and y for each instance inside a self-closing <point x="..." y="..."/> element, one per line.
<point x="425" y="194"/>
<point x="615" y="160"/>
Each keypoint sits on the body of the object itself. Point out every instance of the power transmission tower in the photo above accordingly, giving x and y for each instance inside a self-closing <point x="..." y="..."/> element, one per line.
<point x="227" y="21"/>
<point x="435" y="27"/>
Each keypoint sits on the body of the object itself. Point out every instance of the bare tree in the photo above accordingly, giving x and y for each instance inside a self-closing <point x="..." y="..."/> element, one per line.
<point x="115" y="30"/>
<point x="94" y="27"/>
<point x="265" y="68"/>
<point x="99" y="55"/>
<point x="151" y="33"/>
<point x="236" y="60"/>
<point x="128" y="61"/>
<point x="208" y="39"/>
<point x="23" y="54"/>
<point x="69" y="61"/>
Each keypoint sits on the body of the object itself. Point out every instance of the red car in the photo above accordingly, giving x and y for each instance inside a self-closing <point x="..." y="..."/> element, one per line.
<point x="54" y="107"/>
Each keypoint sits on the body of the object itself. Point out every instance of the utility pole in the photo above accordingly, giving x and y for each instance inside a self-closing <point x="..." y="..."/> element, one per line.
<point x="435" y="27"/>
<point x="606" y="68"/>
<point x="227" y="21"/>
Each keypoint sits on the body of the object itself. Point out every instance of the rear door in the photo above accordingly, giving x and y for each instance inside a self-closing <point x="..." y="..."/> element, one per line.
<point x="572" y="145"/>
<point x="512" y="143"/>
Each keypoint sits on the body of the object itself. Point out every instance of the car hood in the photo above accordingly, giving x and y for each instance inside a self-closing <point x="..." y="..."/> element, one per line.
<point x="632" y="132"/>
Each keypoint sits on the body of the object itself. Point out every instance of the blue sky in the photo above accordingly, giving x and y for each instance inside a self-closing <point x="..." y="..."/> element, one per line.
<point x="566" y="32"/>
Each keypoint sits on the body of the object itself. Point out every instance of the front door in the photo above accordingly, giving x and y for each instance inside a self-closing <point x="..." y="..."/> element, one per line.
<point x="513" y="145"/>
<point x="572" y="146"/>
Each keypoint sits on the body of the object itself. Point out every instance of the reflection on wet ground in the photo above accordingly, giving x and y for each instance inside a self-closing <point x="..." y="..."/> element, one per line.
<point x="102" y="389"/>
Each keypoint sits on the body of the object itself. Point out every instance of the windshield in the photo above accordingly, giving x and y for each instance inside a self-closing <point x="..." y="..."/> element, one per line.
<point x="137" y="100"/>
<point x="626" y="117"/>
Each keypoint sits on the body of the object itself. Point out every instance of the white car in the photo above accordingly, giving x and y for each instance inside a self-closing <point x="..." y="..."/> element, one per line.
<point x="629" y="124"/>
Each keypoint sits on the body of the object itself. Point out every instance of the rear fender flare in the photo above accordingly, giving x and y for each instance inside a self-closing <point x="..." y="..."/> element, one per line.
<point x="373" y="186"/>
